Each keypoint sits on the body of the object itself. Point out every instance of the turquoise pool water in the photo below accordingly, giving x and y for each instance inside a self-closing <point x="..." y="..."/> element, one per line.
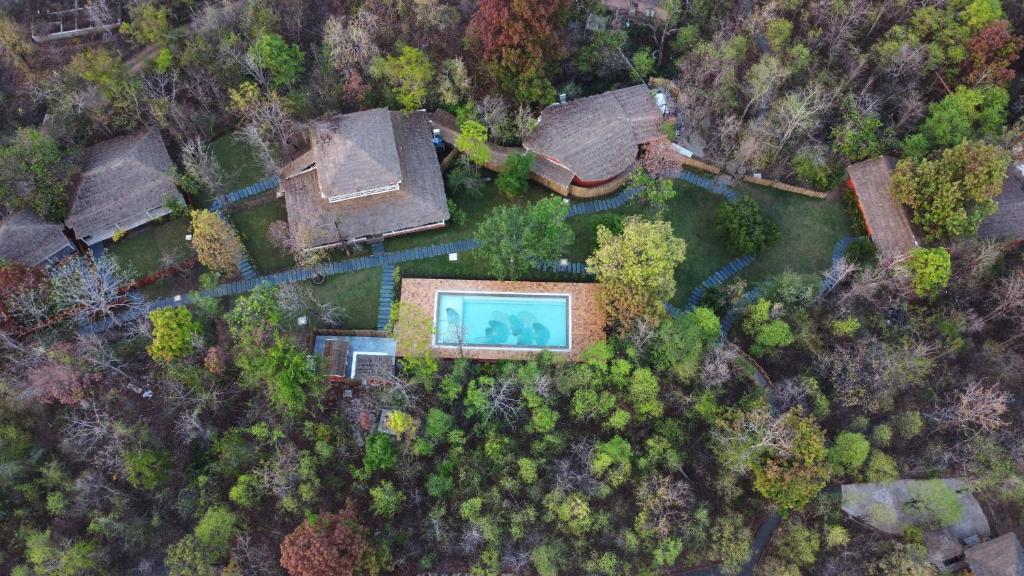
<point x="502" y="320"/>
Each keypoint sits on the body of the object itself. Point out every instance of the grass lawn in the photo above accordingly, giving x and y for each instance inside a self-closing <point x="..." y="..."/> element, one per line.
<point x="808" y="231"/>
<point x="692" y="214"/>
<point x="153" y="247"/>
<point x="237" y="160"/>
<point x="357" y="293"/>
<point x="252" y="224"/>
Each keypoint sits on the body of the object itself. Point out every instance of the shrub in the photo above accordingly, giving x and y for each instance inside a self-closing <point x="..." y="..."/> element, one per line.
<point x="937" y="501"/>
<point x="836" y="536"/>
<point x="513" y="180"/>
<point x="147" y="469"/>
<point x="908" y="424"/>
<point x="930" y="269"/>
<point x="881" y="435"/>
<point x="380" y="454"/>
<point x="845" y="327"/>
<point x="796" y="543"/>
<point x="247" y="491"/>
<point x="745" y="224"/>
<point x="527" y="470"/>
<point x="173" y="331"/>
<point x="387" y="500"/>
<point x="880" y="467"/>
<point x="848" y="453"/>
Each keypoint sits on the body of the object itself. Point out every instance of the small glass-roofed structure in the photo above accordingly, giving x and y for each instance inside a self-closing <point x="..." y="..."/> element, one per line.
<point x="355" y="356"/>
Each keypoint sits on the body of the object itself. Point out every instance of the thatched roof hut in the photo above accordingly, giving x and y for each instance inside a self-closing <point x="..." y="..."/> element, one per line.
<point x="886" y="220"/>
<point x="28" y="239"/>
<point x="597" y="137"/>
<point x="367" y="175"/>
<point x="126" y="183"/>
<point x="1008" y="222"/>
<point x="1002" y="556"/>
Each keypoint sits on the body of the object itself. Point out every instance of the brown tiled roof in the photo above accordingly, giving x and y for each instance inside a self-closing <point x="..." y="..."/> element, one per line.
<point x="587" y="312"/>
<point x="126" y="181"/>
<point x="598" y="137"/>
<point x="26" y="238"/>
<point x="420" y="201"/>
<point x="1008" y="222"/>
<point x="336" y="358"/>
<point x="886" y="219"/>
<point x="355" y="152"/>
<point x="371" y="367"/>
<point x="1002" y="556"/>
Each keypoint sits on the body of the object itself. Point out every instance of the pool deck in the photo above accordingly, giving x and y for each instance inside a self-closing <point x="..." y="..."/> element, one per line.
<point x="588" y="319"/>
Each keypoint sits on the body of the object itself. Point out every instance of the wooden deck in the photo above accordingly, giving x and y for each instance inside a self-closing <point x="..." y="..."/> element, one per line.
<point x="587" y="313"/>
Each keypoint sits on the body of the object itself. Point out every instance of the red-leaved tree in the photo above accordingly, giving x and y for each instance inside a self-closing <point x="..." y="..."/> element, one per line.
<point x="331" y="545"/>
<point x="991" y="54"/>
<point x="517" y="42"/>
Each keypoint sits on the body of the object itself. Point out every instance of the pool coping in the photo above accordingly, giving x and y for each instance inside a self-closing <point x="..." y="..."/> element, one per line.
<point x="568" y="321"/>
<point x="587" y="318"/>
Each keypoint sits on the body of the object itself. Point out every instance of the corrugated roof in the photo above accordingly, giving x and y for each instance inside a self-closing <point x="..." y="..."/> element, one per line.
<point x="123" y="179"/>
<point x="886" y="219"/>
<point x="420" y="201"/>
<point x="598" y="137"/>
<point x="26" y="238"/>
<point x="1002" y="556"/>
<point x="356" y="152"/>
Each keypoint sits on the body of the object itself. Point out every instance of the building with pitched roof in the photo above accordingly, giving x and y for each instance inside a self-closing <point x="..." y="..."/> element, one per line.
<point x="1008" y="222"/>
<point x="885" y="218"/>
<point x="1001" y="556"/>
<point x="126" y="182"/>
<point x="28" y="239"/>
<point x="597" y="138"/>
<point x="369" y="174"/>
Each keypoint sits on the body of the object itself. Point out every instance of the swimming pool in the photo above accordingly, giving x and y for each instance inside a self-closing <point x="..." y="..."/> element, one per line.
<point x="502" y="320"/>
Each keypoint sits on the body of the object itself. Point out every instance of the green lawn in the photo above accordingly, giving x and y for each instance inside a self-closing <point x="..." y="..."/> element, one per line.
<point x="252" y="224"/>
<point x="357" y="293"/>
<point x="240" y="164"/>
<point x="808" y="231"/>
<point x="153" y="247"/>
<point x="692" y="214"/>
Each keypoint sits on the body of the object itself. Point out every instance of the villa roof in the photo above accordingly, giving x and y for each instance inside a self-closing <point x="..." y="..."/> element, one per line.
<point x="885" y="218"/>
<point x="1002" y="556"/>
<point x="28" y="239"/>
<point x="356" y="152"/>
<point x="1008" y="222"/>
<point x="419" y="202"/>
<point x="124" y="180"/>
<point x="598" y="137"/>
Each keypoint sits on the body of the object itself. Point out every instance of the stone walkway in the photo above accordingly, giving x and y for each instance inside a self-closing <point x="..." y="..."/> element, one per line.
<point x="225" y="200"/>
<point x="716" y="279"/>
<point x="709" y="184"/>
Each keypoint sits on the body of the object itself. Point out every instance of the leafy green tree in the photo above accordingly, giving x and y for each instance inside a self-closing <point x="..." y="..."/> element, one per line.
<point x="514" y="179"/>
<point x="198" y="553"/>
<point x="858" y="137"/>
<point x="637" y="270"/>
<point x="49" y="559"/>
<point x="796" y="543"/>
<point x="793" y="480"/>
<point x="284" y="61"/>
<point x="387" y="500"/>
<point x="173" y="333"/>
<point x="966" y="114"/>
<point x="930" y="270"/>
<point x="217" y="244"/>
<point x="643" y="395"/>
<point x="408" y="75"/>
<point x="730" y="542"/>
<point x="35" y="174"/>
<point x="290" y="378"/>
<point x="472" y="141"/>
<point x="611" y="461"/>
<point x="954" y="192"/>
<point x="654" y="192"/>
<point x="682" y="341"/>
<point x="643" y="64"/>
<point x="247" y="491"/>
<point x="905" y="559"/>
<point x="256" y="316"/>
<point x="769" y="333"/>
<point x="147" y="469"/>
<point x="514" y="238"/>
<point x="937" y="502"/>
<point x="848" y="453"/>
<point x="880" y="467"/>
<point x="149" y="24"/>
<point x="380" y="454"/>
<point x="744" y="221"/>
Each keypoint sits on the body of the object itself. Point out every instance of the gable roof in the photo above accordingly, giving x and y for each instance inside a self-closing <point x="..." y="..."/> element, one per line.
<point x="1008" y="222"/>
<point x="420" y="201"/>
<point x="886" y="220"/>
<point x="27" y="238"/>
<point x="356" y="152"/>
<point x="597" y="137"/>
<point x="1002" y="556"/>
<point x="126" y="182"/>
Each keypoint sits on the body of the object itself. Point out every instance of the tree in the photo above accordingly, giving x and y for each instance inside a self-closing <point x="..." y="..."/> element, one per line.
<point x="966" y="114"/>
<point x="173" y="332"/>
<point x="216" y="243"/>
<point x="859" y="136"/>
<point x="513" y="239"/>
<point x="930" y="269"/>
<point x="380" y="454"/>
<point x="288" y="375"/>
<point x="472" y="141"/>
<point x="326" y="545"/>
<point x="938" y="503"/>
<point x="149" y="24"/>
<point x="208" y="545"/>
<point x="769" y="333"/>
<point x="663" y="29"/>
<point x="682" y="341"/>
<point x="652" y="190"/>
<point x="848" y="453"/>
<point x="637" y="270"/>
<point x="49" y="559"/>
<point x="284" y="61"/>
<point x="35" y="174"/>
<point x="749" y="232"/>
<point x="387" y="500"/>
<point x="408" y="75"/>
<point x="794" y="477"/>
<point x="730" y="542"/>
<point x="513" y="179"/>
<point x="991" y="54"/>
<point x="953" y="193"/>
<point x="518" y="42"/>
<point x="147" y="469"/>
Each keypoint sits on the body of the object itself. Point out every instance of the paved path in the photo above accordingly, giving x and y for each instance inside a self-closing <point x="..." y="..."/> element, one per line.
<point x="603" y="204"/>
<point x="716" y="279"/>
<point x="837" y="254"/>
<point x="225" y="200"/>
<point x="709" y="184"/>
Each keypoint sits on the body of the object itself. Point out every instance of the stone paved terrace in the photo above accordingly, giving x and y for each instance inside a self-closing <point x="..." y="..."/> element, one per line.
<point x="588" y="319"/>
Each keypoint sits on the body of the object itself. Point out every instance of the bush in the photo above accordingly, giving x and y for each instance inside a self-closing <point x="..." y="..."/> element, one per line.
<point x="845" y="327"/>
<point x="880" y="468"/>
<point x="848" y="453"/>
<point x="387" y="500"/>
<point x="380" y="454"/>
<point x="796" y="543"/>
<point x="908" y="424"/>
<point x="513" y="180"/>
<point x="930" y="269"/>
<point x="147" y="469"/>
<point x="836" y="536"/>
<point x="745" y="224"/>
<point x="881" y="435"/>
